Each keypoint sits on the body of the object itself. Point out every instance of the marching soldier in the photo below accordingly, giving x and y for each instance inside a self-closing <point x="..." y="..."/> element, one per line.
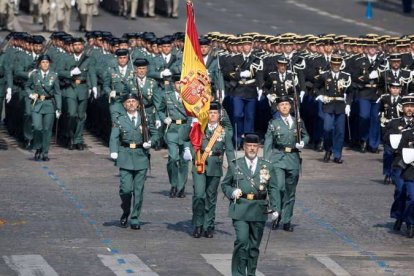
<point x="250" y="184"/>
<point x="60" y="15"/>
<point x="217" y="140"/>
<point x="172" y="112"/>
<point x="118" y="82"/>
<point x="336" y="98"/>
<point x="43" y="89"/>
<point x="282" y="146"/>
<point x="130" y="6"/>
<point x="390" y="109"/>
<point x="130" y="141"/>
<point x="403" y="206"/>
<point x="395" y="74"/>
<point x="7" y="16"/>
<point x="85" y="8"/>
<point x="75" y="70"/>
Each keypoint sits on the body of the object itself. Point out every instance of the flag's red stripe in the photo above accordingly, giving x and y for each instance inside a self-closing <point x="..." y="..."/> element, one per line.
<point x="192" y="32"/>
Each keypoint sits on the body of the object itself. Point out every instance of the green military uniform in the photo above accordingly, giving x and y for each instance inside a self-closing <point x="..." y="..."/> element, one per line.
<point x="279" y="148"/>
<point x="76" y="93"/>
<point x="3" y="80"/>
<point x="149" y="90"/>
<point x="249" y="213"/>
<point x="46" y="86"/>
<point x="127" y="141"/>
<point x="176" y="136"/>
<point x="206" y="184"/>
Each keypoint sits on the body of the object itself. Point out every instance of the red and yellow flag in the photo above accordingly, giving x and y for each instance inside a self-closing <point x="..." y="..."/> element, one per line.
<point x="195" y="82"/>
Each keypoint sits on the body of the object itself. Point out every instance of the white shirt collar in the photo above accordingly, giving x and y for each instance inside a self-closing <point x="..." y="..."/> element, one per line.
<point x="212" y="126"/>
<point x="133" y="115"/>
<point x="142" y="81"/>
<point x="251" y="162"/>
<point x="45" y="73"/>
<point x="289" y="119"/>
<point x="77" y="57"/>
<point x="166" y="57"/>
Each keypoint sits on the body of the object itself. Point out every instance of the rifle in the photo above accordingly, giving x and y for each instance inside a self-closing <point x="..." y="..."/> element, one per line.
<point x="296" y="106"/>
<point x="5" y="44"/>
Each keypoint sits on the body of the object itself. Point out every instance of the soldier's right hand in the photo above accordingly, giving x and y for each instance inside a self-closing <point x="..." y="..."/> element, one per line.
<point x="271" y="97"/>
<point x="319" y="98"/>
<point x="167" y="121"/>
<point x="373" y="74"/>
<point x="75" y="71"/>
<point x="114" y="155"/>
<point x="245" y="74"/>
<point x="236" y="194"/>
<point x="165" y="73"/>
<point x="275" y="215"/>
<point x="112" y="94"/>
<point x="8" y="95"/>
<point x="33" y="96"/>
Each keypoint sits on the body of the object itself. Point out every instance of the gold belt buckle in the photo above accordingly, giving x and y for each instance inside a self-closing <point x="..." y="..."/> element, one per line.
<point x="250" y="196"/>
<point x="132" y="146"/>
<point x="178" y="122"/>
<point x="42" y="97"/>
<point x="78" y="81"/>
<point x="287" y="149"/>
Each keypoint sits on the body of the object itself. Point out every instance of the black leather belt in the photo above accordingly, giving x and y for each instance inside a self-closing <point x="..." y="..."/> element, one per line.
<point x="287" y="149"/>
<point x="253" y="197"/>
<point x="179" y="122"/>
<point x="77" y="81"/>
<point x="131" y="145"/>
<point x="214" y="153"/>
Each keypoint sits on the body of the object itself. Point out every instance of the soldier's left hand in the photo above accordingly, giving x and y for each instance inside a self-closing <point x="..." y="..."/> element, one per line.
<point x="348" y="110"/>
<point x="157" y="124"/>
<point x="300" y="145"/>
<point x="302" y="94"/>
<point x="95" y="92"/>
<point x="187" y="154"/>
<point x="275" y="215"/>
<point x="58" y="113"/>
<point x="259" y="94"/>
<point x="8" y="95"/>
<point x="146" y="145"/>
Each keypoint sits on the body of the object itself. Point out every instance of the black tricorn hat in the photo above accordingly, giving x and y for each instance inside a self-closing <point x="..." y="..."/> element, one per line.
<point x="130" y="96"/>
<point x="121" y="52"/>
<point x="215" y="106"/>
<point x="44" y="57"/>
<point x="251" y="138"/>
<point x="283" y="99"/>
<point x="140" y="62"/>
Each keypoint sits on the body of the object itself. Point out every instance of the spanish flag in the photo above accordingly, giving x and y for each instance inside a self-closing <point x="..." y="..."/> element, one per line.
<point x="195" y="82"/>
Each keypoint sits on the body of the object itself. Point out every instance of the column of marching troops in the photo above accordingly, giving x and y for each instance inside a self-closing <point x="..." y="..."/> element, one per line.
<point x="354" y="89"/>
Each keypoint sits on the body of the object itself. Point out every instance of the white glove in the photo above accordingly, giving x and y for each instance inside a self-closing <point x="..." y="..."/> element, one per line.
<point x="236" y="193"/>
<point x="245" y="74"/>
<point x="75" y="71"/>
<point x="8" y="95"/>
<point x="112" y="94"/>
<point x="300" y="145"/>
<point x="319" y="98"/>
<point x="373" y="74"/>
<point x="95" y="92"/>
<point x="58" y="113"/>
<point x="157" y="124"/>
<point x="187" y="154"/>
<point x="194" y="121"/>
<point x="348" y="110"/>
<point x="52" y="5"/>
<point x="275" y="215"/>
<point x="167" y="121"/>
<point x="271" y="97"/>
<point x="146" y="145"/>
<point x="301" y="95"/>
<point x="222" y="95"/>
<point x="114" y="155"/>
<point x="31" y="72"/>
<point x="259" y="94"/>
<point x="344" y="98"/>
<point x="166" y="73"/>
<point x="73" y="3"/>
<point x="33" y="96"/>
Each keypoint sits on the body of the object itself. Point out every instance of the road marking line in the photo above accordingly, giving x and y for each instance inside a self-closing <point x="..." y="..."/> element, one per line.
<point x="222" y="263"/>
<point x="29" y="265"/>
<point x="338" y="17"/>
<point x="333" y="266"/>
<point x="126" y="264"/>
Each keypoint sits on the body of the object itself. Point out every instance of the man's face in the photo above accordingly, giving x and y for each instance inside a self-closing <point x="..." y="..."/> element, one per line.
<point x="77" y="47"/>
<point x="44" y="65"/>
<point x="395" y="65"/>
<point x="246" y="48"/>
<point x="395" y="90"/>
<point x="251" y="150"/>
<point x="281" y="67"/>
<point x="371" y="50"/>
<point x="122" y="60"/>
<point x="155" y="49"/>
<point x="37" y="48"/>
<point x="287" y="48"/>
<point x="123" y="46"/>
<point x="284" y="108"/>
<point x="335" y="67"/>
<point x="408" y="110"/>
<point x="166" y="49"/>
<point x="131" y="105"/>
<point x="205" y="49"/>
<point x="328" y="49"/>
<point x="132" y="42"/>
<point x="213" y="116"/>
<point x="141" y="71"/>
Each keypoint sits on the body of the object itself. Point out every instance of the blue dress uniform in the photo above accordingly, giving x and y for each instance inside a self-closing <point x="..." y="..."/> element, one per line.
<point x="259" y="194"/>
<point x="395" y="74"/>
<point x="365" y="75"/>
<point x="404" y="211"/>
<point x="334" y="94"/>
<point x="128" y="148"/>
<point x="246" y="89"/>
<point x="390" y="109"/>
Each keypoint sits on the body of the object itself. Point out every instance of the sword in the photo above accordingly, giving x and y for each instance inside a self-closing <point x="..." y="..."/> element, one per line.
<point x="56" y="130"/>
<point x="349" y="128"/>
<point x="268" y="235"/>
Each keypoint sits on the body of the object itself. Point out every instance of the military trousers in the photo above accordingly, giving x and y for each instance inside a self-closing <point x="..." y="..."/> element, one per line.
<point x="400" y="194"/>
<point x="246" y="247"/>
<point x="387" y="158"/>
<point x="42" y="133"/>
<point x="204" y="200"/>
<point x="76" y="111"/>
<point x="334" y="133"/>
<point x="26" y="103"/>
<point x="177" y="167"/>
<point x="287" y="180"/>
<point x="408" y="216"/>
<point x="244" y="111"/>
<point x="369" y="124"/>
<point x="132" y="188"/>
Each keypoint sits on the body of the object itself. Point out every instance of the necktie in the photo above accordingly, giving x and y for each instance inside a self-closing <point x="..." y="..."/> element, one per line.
<point x="166" y="59"/>
<point x="394" y="99"/>
<point x="251" y="168"/>
<point x="395" y="74"/>
<point x="44" y="76"/>
<point x="282" y="77"/>
<point x="123" y="72"/>
<point x="133" y="120"/>
<point x="286" y="121"/>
